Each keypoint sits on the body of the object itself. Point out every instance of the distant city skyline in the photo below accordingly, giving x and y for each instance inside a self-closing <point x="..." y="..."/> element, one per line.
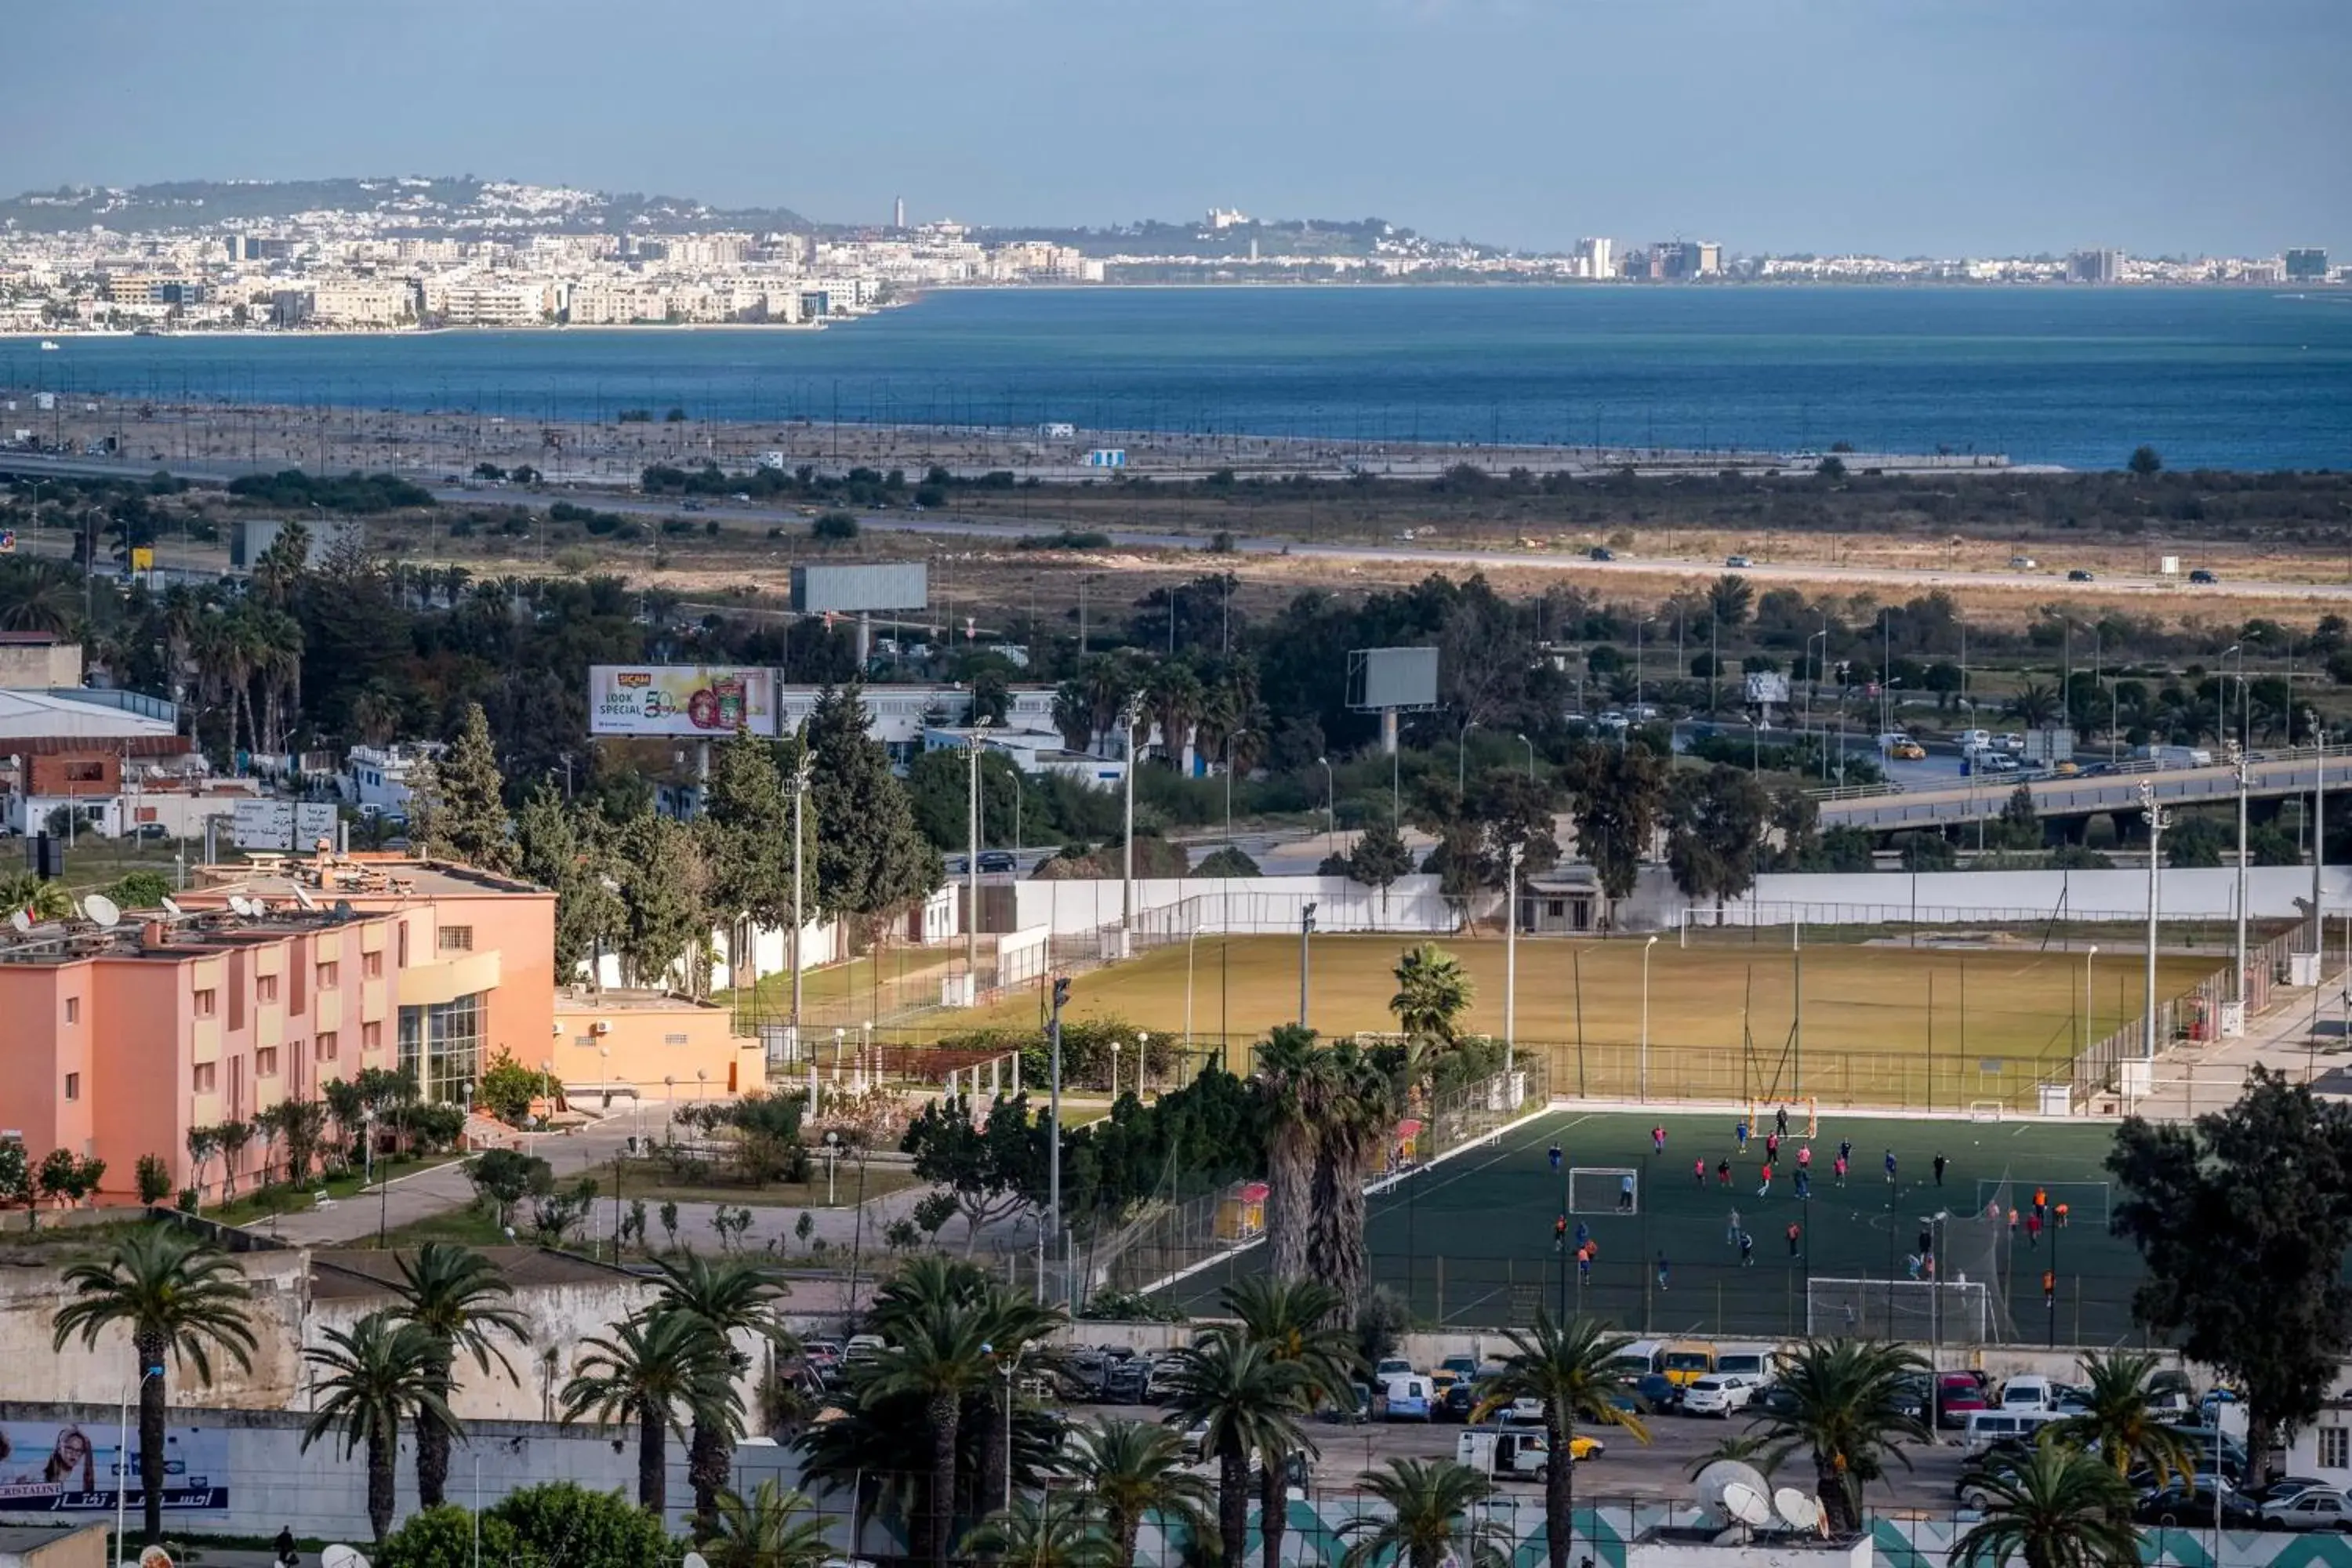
<point x="2001" y="127"/>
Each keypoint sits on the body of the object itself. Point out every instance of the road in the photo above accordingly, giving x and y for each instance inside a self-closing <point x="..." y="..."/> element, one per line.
<point x="2296" y="773"/>
<point x="949" y="526"/>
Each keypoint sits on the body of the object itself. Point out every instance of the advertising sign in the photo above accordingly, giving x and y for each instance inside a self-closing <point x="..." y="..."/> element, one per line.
<point x="282" y="824"/>
<point x="692" y="700"/>
<point x="47" y="1469"/>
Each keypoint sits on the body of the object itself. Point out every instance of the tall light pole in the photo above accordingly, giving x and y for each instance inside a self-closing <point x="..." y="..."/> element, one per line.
<point x="2318" y="839"/>
<point x="1530" y="745"/>
<point x="1052" y="1238"/>
<point x="1127" y="716"/>
<point x="1646" y="1015"/>
<point x="2155" y="858"/>
<point x="2238" y="985"/>
<point x="1511" y="959"/>
<point x="972" y="743"/>
<point x="2222" y="695"/>
<point x="800" y="797"/>
<point x="1305" y="930"/>
<point x="1330" y="799"/>
<point x="2087" y="957"/>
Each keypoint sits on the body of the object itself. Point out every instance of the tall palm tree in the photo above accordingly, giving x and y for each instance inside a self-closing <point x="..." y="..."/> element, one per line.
<point x="1359" y="1114"/>
<point x="1570" y="1367"/>
<point x="1428" y="1501"/>
<point x="1055" y="1530"/>
<point x="1131" y="1469"/>
<point x="1433" y="993"/>
<point x="1173" y="694"/>
<point x="936" y="1349"/>
<point x="1014" y="1325"/>
<point x="1248" y="1402"/>
<point x="771" y="1529"/>
<point x="174" y="1292"/>
<point x="657" y="1369"/>
<point x="459" y="1298"/>
<point x="1844" y="1402"/>
<point x="727" y="1297"/>
<point x="1292" y="1079"/>
<point x="1298" y="1321"/>
<point x="2055" y="1508"/>
<point x="377" y="1371"/>
<point x="2122" y="1420"/>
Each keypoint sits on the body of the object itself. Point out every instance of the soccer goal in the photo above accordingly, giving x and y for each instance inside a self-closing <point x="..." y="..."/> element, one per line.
<point x="1604" y="1189"/>
<point x="2087" y="1202"/>
<point x="1804" y="1118"/>
<point x="1986" y="1110"/>
<point x="1951" y="1312"/>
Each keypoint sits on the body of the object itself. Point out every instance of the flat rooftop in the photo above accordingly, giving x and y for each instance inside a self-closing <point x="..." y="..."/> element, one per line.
<point x="272" y="876"/>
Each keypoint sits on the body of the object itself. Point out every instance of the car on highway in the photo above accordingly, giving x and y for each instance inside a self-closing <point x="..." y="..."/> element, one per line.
<point x="1601" y="552"/>
<point x="1907" y="751"/>
<point x="1737" y="563"/>
<point x="1720" y="1395"/>
<point x="2022" y="563"/>
<point x="998" y="860"/>
<point x="2316" y="1508"/>
<point x="2201" y="575"/>
<point x="2078" y="576"/>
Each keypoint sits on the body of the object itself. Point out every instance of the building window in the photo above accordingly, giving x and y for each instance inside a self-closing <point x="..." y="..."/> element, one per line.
<point x="403" y="939"/>
<point x="456" y="939"/>
<point x="441" y="1043"/>
<point x="371" y="1037"/>
<point x="264" y="1062"/>
<point x="330" y="977"/>
<point x="207" y="1004"/>
<point x="203" y="1078"/>
<point x="323" y="1049"/>
<point x="673" y="1039"/>
<point x="73" y="1009"/>
<point x="2334" y="1447"/>
<point x="73" y="1091"/>
<point x="265" y="988"/>
<point x="371" y="966"/>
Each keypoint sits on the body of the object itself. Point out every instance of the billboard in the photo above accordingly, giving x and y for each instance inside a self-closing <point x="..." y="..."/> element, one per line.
<point x="1767" y="688"/>
<point x="702" y="702"/>
<point x="68" y="1469"/>
<point x="1393" y="678"/>
<point x="294" y="825"/>
<point x="851" y="590"/>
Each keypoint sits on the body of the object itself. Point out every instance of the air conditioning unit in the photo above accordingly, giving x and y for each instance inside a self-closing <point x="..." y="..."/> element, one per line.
<point x="601" y="1027"/>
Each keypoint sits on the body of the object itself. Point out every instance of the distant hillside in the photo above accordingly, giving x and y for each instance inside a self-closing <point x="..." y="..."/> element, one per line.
<point x="1273" y="238"/>
<point x="402" y="203"/>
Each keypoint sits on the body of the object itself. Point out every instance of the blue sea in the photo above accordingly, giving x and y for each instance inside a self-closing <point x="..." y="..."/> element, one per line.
<point x="2211" y="377"/>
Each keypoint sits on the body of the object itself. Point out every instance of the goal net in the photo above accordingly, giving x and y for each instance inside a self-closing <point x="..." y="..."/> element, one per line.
<point x="1764" y="1116"/>
<point x="1604" y="1189"/>
<point x="2087" y="1202"/>
<point x="1951" y="1312"/>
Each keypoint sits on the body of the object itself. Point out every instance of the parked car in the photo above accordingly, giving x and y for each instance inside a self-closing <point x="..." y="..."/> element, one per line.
<point x="998" y="860"/>
<point x="1719" y="1394"/>
<point x="2316" y="1508"/>
<point x="2286" y="1488"/>
<point x="1959" y="1395"/>
<point x="2177" y="1506"/>
<point x="1459" y="1400"/>
<point x="1128" y="1381"/>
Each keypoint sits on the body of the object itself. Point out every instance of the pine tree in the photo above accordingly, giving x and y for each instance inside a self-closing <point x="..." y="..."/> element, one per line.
<point x="1381" y="855"/>
<point x="871" y="858"/>
<point x="561" y="847"/>
<point x="746" y="835"/>
<point x="467" y="818"/>
<point x="664" y="916"/>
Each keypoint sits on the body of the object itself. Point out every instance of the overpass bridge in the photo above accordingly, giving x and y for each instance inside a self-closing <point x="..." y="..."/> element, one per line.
<point x="2298" y="771"/>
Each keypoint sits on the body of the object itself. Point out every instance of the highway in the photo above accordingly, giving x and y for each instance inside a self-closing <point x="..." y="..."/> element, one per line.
<point x="947" y="526"/>
<point x="2297" y="772"/>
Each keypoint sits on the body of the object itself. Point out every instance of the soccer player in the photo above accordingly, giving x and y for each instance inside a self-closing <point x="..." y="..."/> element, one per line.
<point x="1890" y="1165"/>
<point x="1583" y="1233"/>
<point x="1698" y="1171"/>
<point x="1658" y="1138"/>
<point x="1555" y="1158"/>
<point x="2012" y="1225"/>
<point x="2062" y="1214"/>
<point x="1739" y="1130"/>
<point x="1794" y="1232"/>
<point x="1559" y="1234"/>
<point x="2049" y="1287"/>
<point x="1804" y="1156"/>
<point x="1746" y="1250"/>
<point x="1939" y="1167"/>
<point x="1845" y="1150"/>
<point x="1723" y="1173"/>
<point x="1765" y="1191"/>
<point x="1662" y="1270"/>
<point x="1731" y="1229"/>
<point x="1837" y="1168"/>
<point x="2040" y="1200"/>
<point x="1771" y="1145"/>
<point x="1804" y="1184"/>
<point x="1625" y="1194"/>
<point x="1911" y="1261"/>
<point x="2033" y="1228"/>
<point x="1584" y="1264"/>
<point x="1781" y="1120"/>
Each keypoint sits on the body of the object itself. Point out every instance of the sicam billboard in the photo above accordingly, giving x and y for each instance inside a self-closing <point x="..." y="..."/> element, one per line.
<point x="698" y="700"/>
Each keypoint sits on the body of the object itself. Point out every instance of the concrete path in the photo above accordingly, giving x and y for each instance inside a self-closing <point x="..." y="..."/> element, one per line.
<point x="2308" y="1043"/>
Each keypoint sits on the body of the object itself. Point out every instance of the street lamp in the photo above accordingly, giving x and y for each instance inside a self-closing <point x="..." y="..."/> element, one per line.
<point x="1461" y="754"/>
<point x="2154" y="813"/>
<point x="832" y="1154"/>
<point x="1114" y="1072"/>
<point x="1305" y="930"/>
<point x="1511" y="961"/>
<point x="1530" y="745"/>
<point x="1645" y="1016"/>
<point x="1330" y="798"/>
<point x="2087" y="957"/>
<point x="2238" y="983"/>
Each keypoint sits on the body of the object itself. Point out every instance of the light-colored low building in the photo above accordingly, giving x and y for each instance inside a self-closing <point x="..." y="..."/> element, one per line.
<point x="649" y="1048"/>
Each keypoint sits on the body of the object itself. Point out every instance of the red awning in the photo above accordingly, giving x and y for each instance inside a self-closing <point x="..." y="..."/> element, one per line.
<point x="1408" y="1128"/>
<point x="1251" y="1191"/>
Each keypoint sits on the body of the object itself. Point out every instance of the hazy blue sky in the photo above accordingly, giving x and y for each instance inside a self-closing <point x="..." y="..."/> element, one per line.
<point x="1903" y="126"/>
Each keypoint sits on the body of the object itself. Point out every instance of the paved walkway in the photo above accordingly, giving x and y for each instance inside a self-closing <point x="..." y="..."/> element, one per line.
<point x="2303" y="1034"/>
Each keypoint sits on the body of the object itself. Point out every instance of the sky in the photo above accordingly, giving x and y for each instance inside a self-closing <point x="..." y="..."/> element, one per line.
<point x="1901" y="127"/>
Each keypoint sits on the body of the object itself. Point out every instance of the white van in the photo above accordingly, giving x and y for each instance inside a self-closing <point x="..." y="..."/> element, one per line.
<point x="1760" y="1362"/>
<point x="1410" y="1398"/>
<point x="1640" y="1359"/>
<point x="1987" y="1427"/>
<point x="2028" y="1391"/>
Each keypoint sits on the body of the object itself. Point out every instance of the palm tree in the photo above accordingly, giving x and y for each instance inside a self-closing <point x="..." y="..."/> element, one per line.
<point x="459" y="1298"/>
<point x="37" y="596"/>
<point x="2057" y="1508"/>
<point x="377" y="1371"/>
<point x="1292" y="1076"/>
<point x="1423" y="1524"/>
<point x="1173" y="694"/>
<point x="2034" y="706"/>
<point x="655" y="1366"/>
<point x="937" y="1349"/>
<point x="1359" y="1116"/>
<point x="1056" y="1530"/>
<point x="737" y="1295"/>
<point x="2121" y="1419"/>
<point x="175" y="1293"/>
<point x="1131" y="1469"/>
<point x="1247" y="1400"/>
<point x="1844" y="1402"/>
<point x="1433" y="993"/>
<point x="772" y="1529"/>
<point x="1298" y="1321"/>
<point x="1570" y="1367"/>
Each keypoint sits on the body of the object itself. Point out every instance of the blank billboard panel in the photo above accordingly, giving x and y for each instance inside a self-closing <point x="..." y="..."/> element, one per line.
<point x="1393" y="678"/>
<point x="850" y="590"/>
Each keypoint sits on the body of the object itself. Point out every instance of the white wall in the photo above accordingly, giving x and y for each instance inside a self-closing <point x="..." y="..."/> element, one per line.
<point x="2209" y="893"/>
<point x="1270" y="904"/>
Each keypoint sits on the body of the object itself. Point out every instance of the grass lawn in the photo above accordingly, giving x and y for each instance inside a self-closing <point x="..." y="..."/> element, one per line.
<point x="651" y="1180"/>
<point x="1469" y="1243"/>
<point x="1880" y="1023"/>
<point x="845" y="993"/>
<point x="251" y="1208"/>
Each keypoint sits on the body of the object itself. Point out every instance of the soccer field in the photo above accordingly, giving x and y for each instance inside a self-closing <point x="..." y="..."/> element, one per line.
<point x="1469" y="1243"/>
<point x="1849" y="1022"/>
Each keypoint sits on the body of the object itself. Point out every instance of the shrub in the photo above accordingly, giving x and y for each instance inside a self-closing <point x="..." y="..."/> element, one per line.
<point x="153" y="1178"/>
<point x="834" y="527"/>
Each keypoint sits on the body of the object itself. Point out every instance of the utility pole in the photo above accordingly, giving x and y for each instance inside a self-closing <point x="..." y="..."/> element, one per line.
<point x="1054" y="1147"/>
<point x="971" y="869"/>
<point x="2154" y="845"/>
<point x="2238" y="987"/>
<point x="800" y="794"/>
<point x="1127" y="717"/>
<point x="1305" y="930"/>
<point x="1511" y="960"/>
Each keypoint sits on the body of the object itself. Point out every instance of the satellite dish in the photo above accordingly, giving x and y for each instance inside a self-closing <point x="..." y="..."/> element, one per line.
<point x="1800" y="1511"/>
<point x="155" y="1557"/>
<point x="1732" y="1491"/>
<point x="302" y="897"/>
<point x="341" y="1557"/>
<point x="171" y="908"/>
<point x="101" y="910"/>
<point x="694" y="1559"/>
<point x="343" y="908"/>
<point x="20" y="921"/>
